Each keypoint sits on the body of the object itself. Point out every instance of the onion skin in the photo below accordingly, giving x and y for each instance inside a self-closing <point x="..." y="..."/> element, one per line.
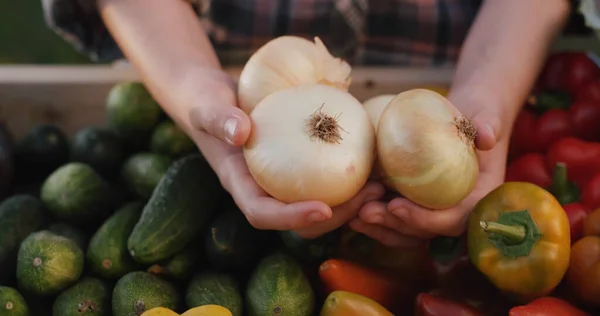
<point x="426" y="154"/>
<point x="292" y="166"/>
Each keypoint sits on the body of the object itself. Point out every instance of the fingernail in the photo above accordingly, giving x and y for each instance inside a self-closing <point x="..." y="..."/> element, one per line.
<point x="230" y="127"/>
<point x="316" y="217"/>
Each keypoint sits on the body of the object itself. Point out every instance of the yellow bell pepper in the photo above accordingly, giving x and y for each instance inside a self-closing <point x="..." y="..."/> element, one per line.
<point x="159" y="311"/>
<point x="342" y="303"/>
<point x="204" y="310"/>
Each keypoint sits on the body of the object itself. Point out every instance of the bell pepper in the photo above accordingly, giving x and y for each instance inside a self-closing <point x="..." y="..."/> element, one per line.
<point x="568" y="71"/>
<point x="547" y="306"/>
<point x="381" y="285"/>
<point x="531" y="168"/>
<point x="590" y="195"/>
<point x="518" y="236"/>
<point x="427" y="304"/>
<point x="581" y="157"/>
<point x="591" y="224"/>
<point x="533" y="132"/>
<point x="342" y="303"/>
<point x="583" y="276"/>
<point x="577" y="213"/>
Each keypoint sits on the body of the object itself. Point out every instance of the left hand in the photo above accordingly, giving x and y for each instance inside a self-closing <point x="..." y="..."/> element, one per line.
<point x="404" y="223"/>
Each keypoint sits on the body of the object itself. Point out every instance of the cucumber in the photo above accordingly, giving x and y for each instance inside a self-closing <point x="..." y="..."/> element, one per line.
<point x="214" y="289"/>
<point x="314" y="250"/>
<point x="99" y="148"/>
<point x="142" y="172"/>
<point x="232" y="244"/>
<point x="44" y="148"/>
<point x="278" y="286"/>
<point x="12" y="303"/>
<point x="132" y="113"/>
<point x="20" y="215"/>
<point x="179" y="207"/>
<point x="137" y="292"/>
<point x="48" y="263"/>
<point x="77" y="194"/>
<point x="89" y="296"/>
<point x="180" y="266"/>
<point x="107" y="253"/>
<point x="66" y="230"/>
<point x="170" y="140"/>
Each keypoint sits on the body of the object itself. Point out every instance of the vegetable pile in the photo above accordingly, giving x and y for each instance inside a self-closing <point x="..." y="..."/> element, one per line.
<point x="128" y="218"/>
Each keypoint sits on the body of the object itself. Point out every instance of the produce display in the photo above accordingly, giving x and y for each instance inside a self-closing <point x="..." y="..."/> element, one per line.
<point x="127" y="217"/>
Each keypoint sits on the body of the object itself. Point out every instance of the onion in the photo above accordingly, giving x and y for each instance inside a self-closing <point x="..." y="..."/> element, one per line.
<point x="376" y="105"/>
<point x="310" y="142"/>
<point x="426" y="149"/>
<point x="285" y="62"/>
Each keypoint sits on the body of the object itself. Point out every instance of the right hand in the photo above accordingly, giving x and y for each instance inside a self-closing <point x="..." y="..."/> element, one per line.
<point x="214" y="114"/>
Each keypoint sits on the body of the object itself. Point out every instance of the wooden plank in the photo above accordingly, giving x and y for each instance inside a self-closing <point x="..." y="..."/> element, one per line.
<point x="73" y="96"/>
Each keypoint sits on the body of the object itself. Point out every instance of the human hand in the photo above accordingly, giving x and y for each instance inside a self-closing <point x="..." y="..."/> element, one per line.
<point x="217" y="108"/>
<point x="404" y="223"/>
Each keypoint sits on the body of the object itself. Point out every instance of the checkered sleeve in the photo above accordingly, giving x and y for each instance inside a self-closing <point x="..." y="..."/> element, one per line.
<point x="79" y="23"/>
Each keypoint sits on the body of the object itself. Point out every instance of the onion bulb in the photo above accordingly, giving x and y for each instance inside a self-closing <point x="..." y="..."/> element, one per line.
<point x="310" y="142"/>
<point x="426" y="149"/>
<point x="288" y="61"/>
<point x="376" y="105"/>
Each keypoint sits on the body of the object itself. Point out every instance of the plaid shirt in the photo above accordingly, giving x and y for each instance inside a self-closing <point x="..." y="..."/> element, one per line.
<point x="368" y="32"/>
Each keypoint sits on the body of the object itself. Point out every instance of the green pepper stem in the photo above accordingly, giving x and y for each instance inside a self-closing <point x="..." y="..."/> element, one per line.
<point x="564" y="191"/>
<point x="512" y="233"/>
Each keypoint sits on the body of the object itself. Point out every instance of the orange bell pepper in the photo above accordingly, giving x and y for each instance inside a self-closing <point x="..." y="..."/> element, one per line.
<point x="380" y="285"/>
<point x="583" y="275"/>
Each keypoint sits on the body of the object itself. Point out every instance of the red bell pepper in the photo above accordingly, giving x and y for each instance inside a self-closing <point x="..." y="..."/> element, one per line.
<point x="534" y="132"/>
<point x="582" y="158"/>
<point x="590" y="195"/>
<point x="589" y="91"/>
<point x="457" y="279"/>
<point x="530" y="168"/>
<point x="576" y="212"/>
<point x="547" y="306"/>
<point x="567" y="71"/>
<point x="567" y="193"/>
<point x="427" y="304"/>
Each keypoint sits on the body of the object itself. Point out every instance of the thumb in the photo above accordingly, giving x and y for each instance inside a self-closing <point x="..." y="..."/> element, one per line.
<point x="222" y="120"/>
<point x="487" y="126"/>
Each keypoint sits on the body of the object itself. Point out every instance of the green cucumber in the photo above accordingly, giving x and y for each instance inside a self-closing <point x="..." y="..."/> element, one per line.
<point x="137" y="292"/>
<point x="279" y="286"/>
<point x="77" y="194"/>
<point x="7" y="160"/>
<point x="143" y="171"/>
<point x="215" y="288"/>
<point x="179" y="207"/>
<point x="20" y="215"/>
<point x="314" y="250"/>
<point x="170" y="140"/>
<point x="99" y="148"/>
<point x="232" y="244"/>
<point x="48" y="263"/>
<point x="12" y="303"/>
<point x="107" y="253"/>
<point x="44" y="148"/>
<point x="180" y="266"/>
<point x="132" y="113"/>
<point x="89" y="297"/>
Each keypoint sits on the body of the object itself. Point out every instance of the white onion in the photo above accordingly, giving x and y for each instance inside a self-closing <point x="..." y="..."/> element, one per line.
<point x="426" y="149"/>
<point x="310" y="142"/>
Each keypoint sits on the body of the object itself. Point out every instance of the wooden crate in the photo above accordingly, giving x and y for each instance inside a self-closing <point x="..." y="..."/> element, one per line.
<point x="73" y="96"/>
